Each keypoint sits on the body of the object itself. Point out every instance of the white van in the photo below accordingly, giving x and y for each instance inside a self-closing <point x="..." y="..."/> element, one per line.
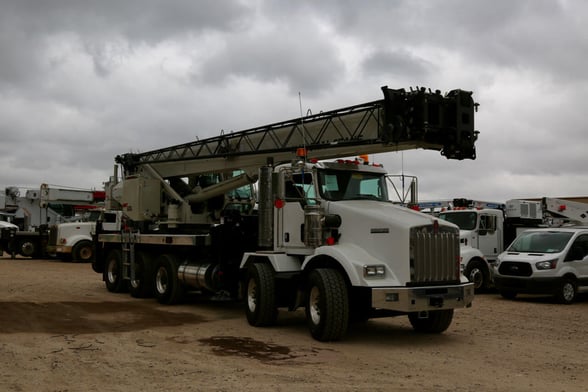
<point x="545" y="261"/>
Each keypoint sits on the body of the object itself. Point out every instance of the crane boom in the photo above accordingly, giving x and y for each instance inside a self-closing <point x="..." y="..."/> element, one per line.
<point x="403" y="120"/>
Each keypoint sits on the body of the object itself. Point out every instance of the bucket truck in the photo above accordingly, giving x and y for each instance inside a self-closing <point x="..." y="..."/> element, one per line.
<point x="38" y="214"/>
<point x="317" y="232"/>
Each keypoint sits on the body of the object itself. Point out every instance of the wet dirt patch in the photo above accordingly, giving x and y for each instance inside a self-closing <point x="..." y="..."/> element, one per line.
<point x="87" y="317"/>
<point x="248" y="348"/>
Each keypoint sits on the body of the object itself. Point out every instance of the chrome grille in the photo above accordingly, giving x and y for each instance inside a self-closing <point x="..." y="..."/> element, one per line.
<point x="434" y="255"/>
<point x="53" y="235"/>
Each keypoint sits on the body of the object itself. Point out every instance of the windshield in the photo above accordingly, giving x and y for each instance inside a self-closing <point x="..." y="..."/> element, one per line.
<point x="540" y="242"/>
<point x="466" y="220"/>
<point x="351" y="185"/>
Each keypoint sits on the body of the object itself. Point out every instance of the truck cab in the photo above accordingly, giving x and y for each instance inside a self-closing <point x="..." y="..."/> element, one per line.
<point x="481" y="237"/>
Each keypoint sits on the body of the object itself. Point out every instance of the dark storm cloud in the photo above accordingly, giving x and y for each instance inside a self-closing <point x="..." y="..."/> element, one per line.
<point x="26" y="27"/>
<point x="398" y="63"/>
<point x="298" y="61"/>
<point x="83" y="81"/>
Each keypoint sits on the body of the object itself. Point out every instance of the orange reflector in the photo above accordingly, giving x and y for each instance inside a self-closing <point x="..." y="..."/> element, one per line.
<point x="301" y="152"/>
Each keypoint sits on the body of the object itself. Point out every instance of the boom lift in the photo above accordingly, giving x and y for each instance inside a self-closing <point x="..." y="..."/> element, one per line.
<point x="319" y="235"/>
<point x="562" y="211"/>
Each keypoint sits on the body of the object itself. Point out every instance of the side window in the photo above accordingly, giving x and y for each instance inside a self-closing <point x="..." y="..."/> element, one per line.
<point x="301" y="188"/>
<point x="487" y="224"/>
<point x="579" y="248"/>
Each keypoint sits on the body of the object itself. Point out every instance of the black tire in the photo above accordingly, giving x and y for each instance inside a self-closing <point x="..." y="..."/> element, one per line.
<point x="168" y="288"/>
<point x="567" y="291"/>
<point x="508" y="294"/>
<point x="435" y="321"/>
<point x="477" y="273"/>
<point x="327" y="305"/>
<point x="27" y="248"/>
<point x="142" y="284"/>
<point x="113" y="273"/>
<point x="260" y="295"/>
<point x="83" y="252"/>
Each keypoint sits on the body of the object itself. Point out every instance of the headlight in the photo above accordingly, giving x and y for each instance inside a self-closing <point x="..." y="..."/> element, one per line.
<point x="546" y="265"/>
<point x="374" y="271"/>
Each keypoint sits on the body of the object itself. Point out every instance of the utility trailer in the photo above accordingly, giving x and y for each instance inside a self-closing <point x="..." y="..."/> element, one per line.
<point x="317" y="232"/>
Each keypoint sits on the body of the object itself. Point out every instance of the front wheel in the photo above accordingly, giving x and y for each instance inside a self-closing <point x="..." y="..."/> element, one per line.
<point x="168" y="288"/>
<point x="327" y="305"/>
<point x="435" y="321"/>
<point x="566" y="292"/>
<point x="477" y="274"/>
<point x="83" y="251"/>
<point x="260" y="295"/>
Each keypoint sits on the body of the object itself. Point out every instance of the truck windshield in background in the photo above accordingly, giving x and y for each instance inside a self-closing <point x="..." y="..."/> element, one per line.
<point x="466" y="220"/>
<point x="349" y="185"/>
<point x="540" y="242"/>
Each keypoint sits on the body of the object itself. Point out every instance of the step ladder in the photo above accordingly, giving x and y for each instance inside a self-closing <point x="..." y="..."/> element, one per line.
<point x="129" y="238"/>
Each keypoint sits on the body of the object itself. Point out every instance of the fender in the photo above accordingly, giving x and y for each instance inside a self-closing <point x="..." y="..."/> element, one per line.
<point x="280" y="262"/>
<point x="352" y="259"/>
<point x="72" y="241"/>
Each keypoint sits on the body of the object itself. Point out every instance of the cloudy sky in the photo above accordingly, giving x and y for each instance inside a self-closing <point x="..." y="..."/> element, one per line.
<point x="83" y="81"/>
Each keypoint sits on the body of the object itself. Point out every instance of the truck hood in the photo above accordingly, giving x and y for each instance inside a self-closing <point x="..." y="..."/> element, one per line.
<point x="527" y="257"/>
<point x="382" y="229"/>
<point x="7" y="225"/>
<point x="370" y="214"/>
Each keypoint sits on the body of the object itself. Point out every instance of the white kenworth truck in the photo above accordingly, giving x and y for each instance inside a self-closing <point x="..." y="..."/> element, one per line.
<point x="314" y="234"/>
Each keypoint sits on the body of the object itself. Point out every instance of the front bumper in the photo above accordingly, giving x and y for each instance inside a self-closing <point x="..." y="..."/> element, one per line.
<point x="58" y="249"/>
<point x="527" y="285"/>
<point x="419" y="299"/>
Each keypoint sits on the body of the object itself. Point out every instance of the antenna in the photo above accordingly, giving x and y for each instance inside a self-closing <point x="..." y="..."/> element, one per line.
<point x="302" y="125"/>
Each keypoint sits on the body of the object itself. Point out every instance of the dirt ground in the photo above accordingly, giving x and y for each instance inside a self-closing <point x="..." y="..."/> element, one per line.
<point x="60" y="330"/>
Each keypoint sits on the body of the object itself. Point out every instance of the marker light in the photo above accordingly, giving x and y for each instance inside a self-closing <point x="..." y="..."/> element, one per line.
<point x="301" y="152"/>
<point x="279" y="203"/>
<point x="330" y="241"/>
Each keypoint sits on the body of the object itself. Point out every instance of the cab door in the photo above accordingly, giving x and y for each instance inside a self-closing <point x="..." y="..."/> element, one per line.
<point x="577" y="257"/>
<point x="297" y="191"/>
<point x="489" y="236"/>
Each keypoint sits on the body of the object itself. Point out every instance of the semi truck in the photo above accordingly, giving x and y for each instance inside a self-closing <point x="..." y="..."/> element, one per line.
<point x="316" y="232"/>
<point x="38" y="214"/>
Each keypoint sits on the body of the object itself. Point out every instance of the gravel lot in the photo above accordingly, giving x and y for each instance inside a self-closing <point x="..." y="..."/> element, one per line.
<point x="60" y="330"/>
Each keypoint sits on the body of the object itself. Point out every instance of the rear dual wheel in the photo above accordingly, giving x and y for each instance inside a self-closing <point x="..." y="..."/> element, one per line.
<point x="113" y="272"/>
<point x="169" y="289"/>
<point x="142" y="279"/>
